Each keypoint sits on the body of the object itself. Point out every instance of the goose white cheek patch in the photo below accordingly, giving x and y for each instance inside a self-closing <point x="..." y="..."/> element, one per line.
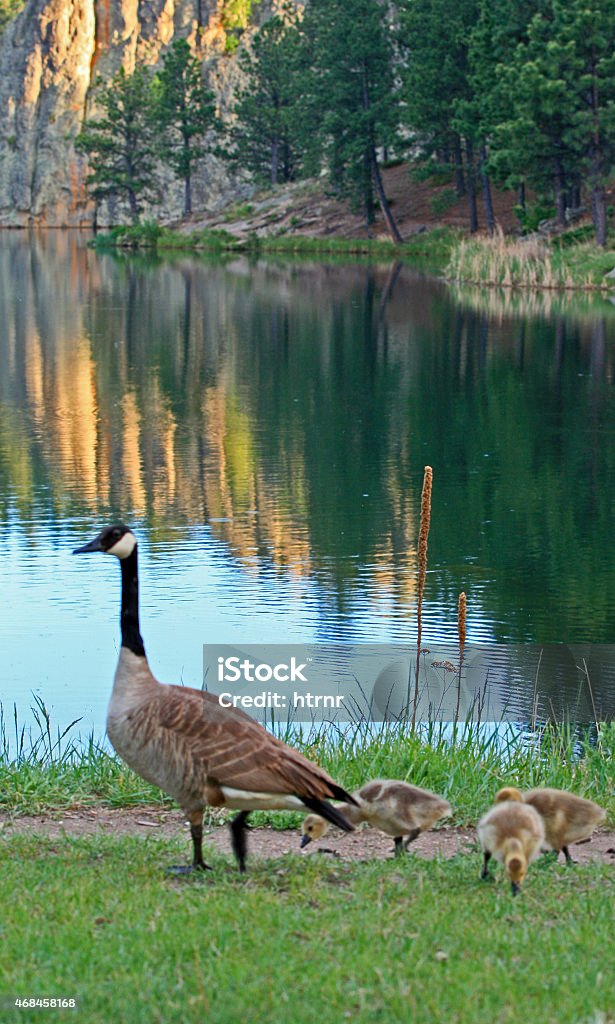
<point x="124" y="546"/>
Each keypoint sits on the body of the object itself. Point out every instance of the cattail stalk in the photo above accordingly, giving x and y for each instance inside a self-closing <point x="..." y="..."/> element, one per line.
<point x="422" y="559"/>
<point x="461" y="631"/>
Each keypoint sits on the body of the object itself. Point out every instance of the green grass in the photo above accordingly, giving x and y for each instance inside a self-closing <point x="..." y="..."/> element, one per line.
<point x="467" y="769"/>
<point x="431" y="249"/>
<point x="299" y="939"/>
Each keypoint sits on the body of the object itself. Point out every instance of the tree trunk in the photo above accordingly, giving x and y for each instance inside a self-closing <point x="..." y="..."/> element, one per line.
<point x="486" y="186"/>
<point x="382" y="199"/>
<point x="560" y="195"/>
<point x="521" y="207"/>
<point x="599" y="214"/>
<point x="275" y="159"/>
<point x="460" y="182"/>
<point x="134" y="209"/>
<point x="375" y="171"/>
<point x="575" y="195"/>
<point x="187" y="195"/>
<point x="471" y="182"/>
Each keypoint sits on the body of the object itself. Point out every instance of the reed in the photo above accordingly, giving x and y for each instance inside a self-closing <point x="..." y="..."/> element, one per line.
<point x="503" y="262"/>
<point x="422" y="560"/>
<point x="461" y="632"/>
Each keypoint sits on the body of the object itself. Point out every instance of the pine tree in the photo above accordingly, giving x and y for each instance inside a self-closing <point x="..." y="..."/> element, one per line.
<point x="499" y="28"/>
<point x="263" y="135"/>
<point x="352" y="91"/>
<point x="560" y="86"/>
<point x="582" y="40"/>
<point x="120" y="144"/>
<point x="186" y="113"/>
<point x="439" y="106"/>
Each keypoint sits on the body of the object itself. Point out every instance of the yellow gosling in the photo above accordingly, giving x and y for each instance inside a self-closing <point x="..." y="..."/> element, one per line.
<point x="567" y="818"/>
<point x="513" y="833"/>
<point x="395" y="808"/>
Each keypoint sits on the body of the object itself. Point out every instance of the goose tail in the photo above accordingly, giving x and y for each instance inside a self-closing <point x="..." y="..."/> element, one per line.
<point x="328" y="811"/>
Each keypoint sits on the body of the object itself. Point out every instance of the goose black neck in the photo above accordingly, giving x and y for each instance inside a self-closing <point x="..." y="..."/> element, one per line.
<point x="129" y="620"/>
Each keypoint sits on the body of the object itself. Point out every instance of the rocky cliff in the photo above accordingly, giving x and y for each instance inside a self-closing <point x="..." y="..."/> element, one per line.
<point x="52" y="56"/>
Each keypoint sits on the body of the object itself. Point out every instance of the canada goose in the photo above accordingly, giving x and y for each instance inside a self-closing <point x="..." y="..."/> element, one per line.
<point x="513" y="833"/>
<point x="394" y="807"/>
<point x="183" y="741"/>
<point x="567" y="818"/>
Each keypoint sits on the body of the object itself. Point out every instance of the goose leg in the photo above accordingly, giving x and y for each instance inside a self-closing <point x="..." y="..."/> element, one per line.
<point x="239" y="827"/>
<point x="412" y="836"/>
<point x="399" y="846"/>
<point x="566" y="852"/>
<point x="486" y="859"/>
<point x="198" y="864"/>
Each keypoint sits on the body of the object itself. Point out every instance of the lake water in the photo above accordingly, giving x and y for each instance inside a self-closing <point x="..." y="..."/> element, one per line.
<point x="263" y="426"/>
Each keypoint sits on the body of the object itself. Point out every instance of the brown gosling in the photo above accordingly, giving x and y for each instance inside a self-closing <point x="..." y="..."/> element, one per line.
<point x="567" y="818"/>
<point x="186" y="743"/>
<point x="396" y="808"/>
<point x="513" y="833"/>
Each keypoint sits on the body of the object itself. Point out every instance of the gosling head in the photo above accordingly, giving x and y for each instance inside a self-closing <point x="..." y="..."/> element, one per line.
<point x="115" y="540"/>
<point x="313" y="827"/>
<point x="516" y="869"/>
<point x="509" y="793"/>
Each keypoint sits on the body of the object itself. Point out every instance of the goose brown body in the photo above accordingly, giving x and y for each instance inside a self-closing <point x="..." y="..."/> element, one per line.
<point x="202" y="754"/>
<point x="513" y="833"/>
<point x="394" y="807"/>
<point x="567" y="818"/>
<point x="185" y="742"/>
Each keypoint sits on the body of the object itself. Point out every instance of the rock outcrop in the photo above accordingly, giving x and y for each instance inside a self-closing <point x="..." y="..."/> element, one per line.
<point x="52" y="57"/>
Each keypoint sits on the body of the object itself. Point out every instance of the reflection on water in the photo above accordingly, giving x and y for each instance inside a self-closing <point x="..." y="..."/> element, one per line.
<point x="264" y="425"/>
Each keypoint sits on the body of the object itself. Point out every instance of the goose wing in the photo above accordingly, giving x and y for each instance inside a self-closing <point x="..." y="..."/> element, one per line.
<point x="236" y="751"/>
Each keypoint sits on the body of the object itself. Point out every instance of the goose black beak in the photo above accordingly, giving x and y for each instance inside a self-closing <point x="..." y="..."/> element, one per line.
<point x="93" y="545"/>
<point x="305" y="840"/>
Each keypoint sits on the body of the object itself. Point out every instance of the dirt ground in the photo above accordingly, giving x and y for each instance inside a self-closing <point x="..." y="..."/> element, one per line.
<point x="364" y="844"/>
<point x="306" y="209"/>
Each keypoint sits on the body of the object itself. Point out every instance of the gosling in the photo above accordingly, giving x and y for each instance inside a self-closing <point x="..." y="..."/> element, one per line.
<point x="396" y="808"/>
<point x="512" y="832"/>
<point x="567" y="818"/>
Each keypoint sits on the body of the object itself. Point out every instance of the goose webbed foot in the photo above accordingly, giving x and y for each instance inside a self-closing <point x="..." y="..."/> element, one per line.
<point x="198" y="864"/>
<point x="188" y="869"/>
<point x="239" y="827"/>
<point x="399" y="846"/>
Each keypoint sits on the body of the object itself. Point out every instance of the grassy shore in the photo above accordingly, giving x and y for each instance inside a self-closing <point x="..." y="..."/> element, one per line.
<point x="563" y="264"/>
<point x="568" y="262"/>
<point x="466" y="766"/>
<point x="434" y="246"/>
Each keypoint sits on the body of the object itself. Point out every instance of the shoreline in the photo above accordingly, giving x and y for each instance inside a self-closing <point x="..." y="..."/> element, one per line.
<point x="559" y="265"/>
<point x="265" y="841"/>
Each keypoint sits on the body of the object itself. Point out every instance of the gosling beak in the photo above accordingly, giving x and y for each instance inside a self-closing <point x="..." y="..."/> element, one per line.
<point x="305" y="840"/>
<point x="93" y="545"/>
<point x="516" y="889"/>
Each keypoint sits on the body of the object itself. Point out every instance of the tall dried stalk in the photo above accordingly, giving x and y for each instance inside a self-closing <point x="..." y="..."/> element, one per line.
<point x="461" y="631"/>
<point x="422" y="557"/>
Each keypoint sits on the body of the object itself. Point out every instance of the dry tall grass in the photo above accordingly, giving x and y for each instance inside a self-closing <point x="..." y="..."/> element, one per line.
<point x="499" y="261"/>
